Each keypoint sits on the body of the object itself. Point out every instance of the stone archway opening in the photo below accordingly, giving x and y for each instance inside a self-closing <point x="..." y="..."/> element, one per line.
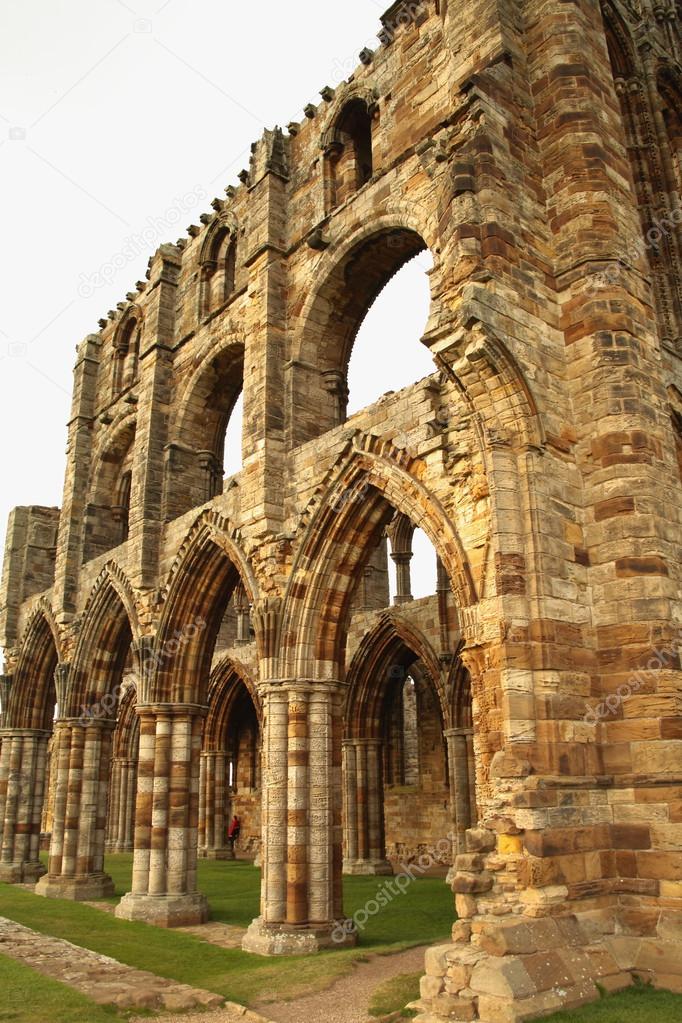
<point x="230" y="770"/>
<point x="27" y="711"/>
<point x="376" y="295"/>
<point x="207" y="438"/>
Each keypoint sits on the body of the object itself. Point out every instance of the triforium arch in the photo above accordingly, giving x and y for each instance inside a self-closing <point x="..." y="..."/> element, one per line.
<point x="229" y="780"/>
<point x="172" y="704"/>
<point x="408" y="750"/>
<point x="28" y="704"/>
<point x="107" y="515"/>
<point x="204" y="406"/>
<point x="351" y="274"/>
<point x="88" y="693"/>
<point x="378" y="479"/>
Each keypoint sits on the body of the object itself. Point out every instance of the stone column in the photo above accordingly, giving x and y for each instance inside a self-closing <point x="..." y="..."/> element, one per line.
<point x="113" y="807"/>
<point x="23" y="765"/>
<point x="459" y="742"/>
<point x="214" y="807"/>
<point x="121" y="806"/>
<point x="365" y="808"/>
<point x="403" y="581"/>
<point x="164" y="888"/>
<point x="301" y="896"/>
<point x="76" y="862"/>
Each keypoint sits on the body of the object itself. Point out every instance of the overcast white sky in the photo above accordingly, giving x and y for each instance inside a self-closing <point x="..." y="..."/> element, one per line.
<point x="112" y="116"/>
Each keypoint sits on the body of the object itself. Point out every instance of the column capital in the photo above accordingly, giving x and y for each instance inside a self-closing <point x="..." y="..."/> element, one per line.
<point x="452" y="732"/>
<point x="172" y="710"/>
<point x="24" y="733"/>
<point x="308" y="685"/>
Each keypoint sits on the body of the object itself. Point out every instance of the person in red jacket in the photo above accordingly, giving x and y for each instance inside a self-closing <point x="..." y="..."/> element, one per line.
<point x="233" y="831"/>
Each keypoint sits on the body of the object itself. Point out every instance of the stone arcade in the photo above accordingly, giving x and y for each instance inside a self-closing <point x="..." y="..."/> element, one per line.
<point x="232" y="644"/>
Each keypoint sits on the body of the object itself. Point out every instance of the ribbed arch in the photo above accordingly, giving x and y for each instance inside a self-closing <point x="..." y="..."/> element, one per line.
<point x="202" y="582"/>
<point x="109" y="628"/>
<point x="338" y="543"/>
<point x="32" y="695"/>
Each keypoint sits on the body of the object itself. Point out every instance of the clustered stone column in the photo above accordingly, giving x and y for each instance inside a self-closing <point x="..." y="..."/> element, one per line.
<point x="164" y="889"/>
<point x="23" y="766"/>
<point x="120" y="824"/>
<point x="301" y="898"/>
<point x="365" y="840"/>
<point x="214" y="812"/>
<point x="460" y="760"/>
<point x="82" y="755"/>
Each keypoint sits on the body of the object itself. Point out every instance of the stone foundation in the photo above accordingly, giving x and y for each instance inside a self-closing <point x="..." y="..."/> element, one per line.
<point x="285" y="940"/>
<point x="88" y="888"/>
<point x="503" y="972"/>
<point x="164" y="910"/>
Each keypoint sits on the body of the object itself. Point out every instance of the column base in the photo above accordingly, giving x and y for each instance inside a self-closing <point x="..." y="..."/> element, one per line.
<point x="164" y="910"/>
<point x="217" y="854"/>
<point x="21" y="873"/>
<point x="380" y="868"/>
<point x="285" y="940"/>
<point x="86" y="888"/>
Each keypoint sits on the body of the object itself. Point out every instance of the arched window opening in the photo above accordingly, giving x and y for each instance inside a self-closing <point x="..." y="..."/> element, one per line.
<point x="218" y="270"/>
<point x="126" y="355"/>
<point x="413" y="566"/>
<point x="207" y="443"/>
<point x="121" y="510"/>
<point x="107" y="515"/>
<point x="361" y="336"/>
<point x="354" y="164"/>
<point x="387" y="355"/>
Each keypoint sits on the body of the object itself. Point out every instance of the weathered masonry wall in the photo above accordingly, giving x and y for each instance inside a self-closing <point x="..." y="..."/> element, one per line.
<point x="534" y="147"/>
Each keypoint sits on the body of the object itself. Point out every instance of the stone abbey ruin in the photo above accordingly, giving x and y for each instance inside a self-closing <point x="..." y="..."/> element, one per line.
<point x="182" y="646"/>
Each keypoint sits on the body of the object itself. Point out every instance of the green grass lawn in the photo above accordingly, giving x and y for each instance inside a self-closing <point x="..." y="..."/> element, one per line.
<point x="28" y="997"/>
<point x="423" y="915"/>
<point x="394" y="995"/>
<point x="639" y="1004"/>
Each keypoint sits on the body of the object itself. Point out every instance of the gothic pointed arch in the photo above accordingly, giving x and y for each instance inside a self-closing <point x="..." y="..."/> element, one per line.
<point x="203" y="408"/>
<point x="386" y="651"/>
<point x="109" y="626"/>
<point x="373" y="482"/>
<point x="126" y="350"/>
<point x="32" y="694"/>
<point x="210" y="565"/>
<point x="217" y="265"/>
<point x="107" y="514"/>
<point x="347" y="279"/>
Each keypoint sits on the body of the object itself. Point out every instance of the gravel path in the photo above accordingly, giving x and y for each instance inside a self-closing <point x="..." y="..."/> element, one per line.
<point x="347" y="1000"/>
